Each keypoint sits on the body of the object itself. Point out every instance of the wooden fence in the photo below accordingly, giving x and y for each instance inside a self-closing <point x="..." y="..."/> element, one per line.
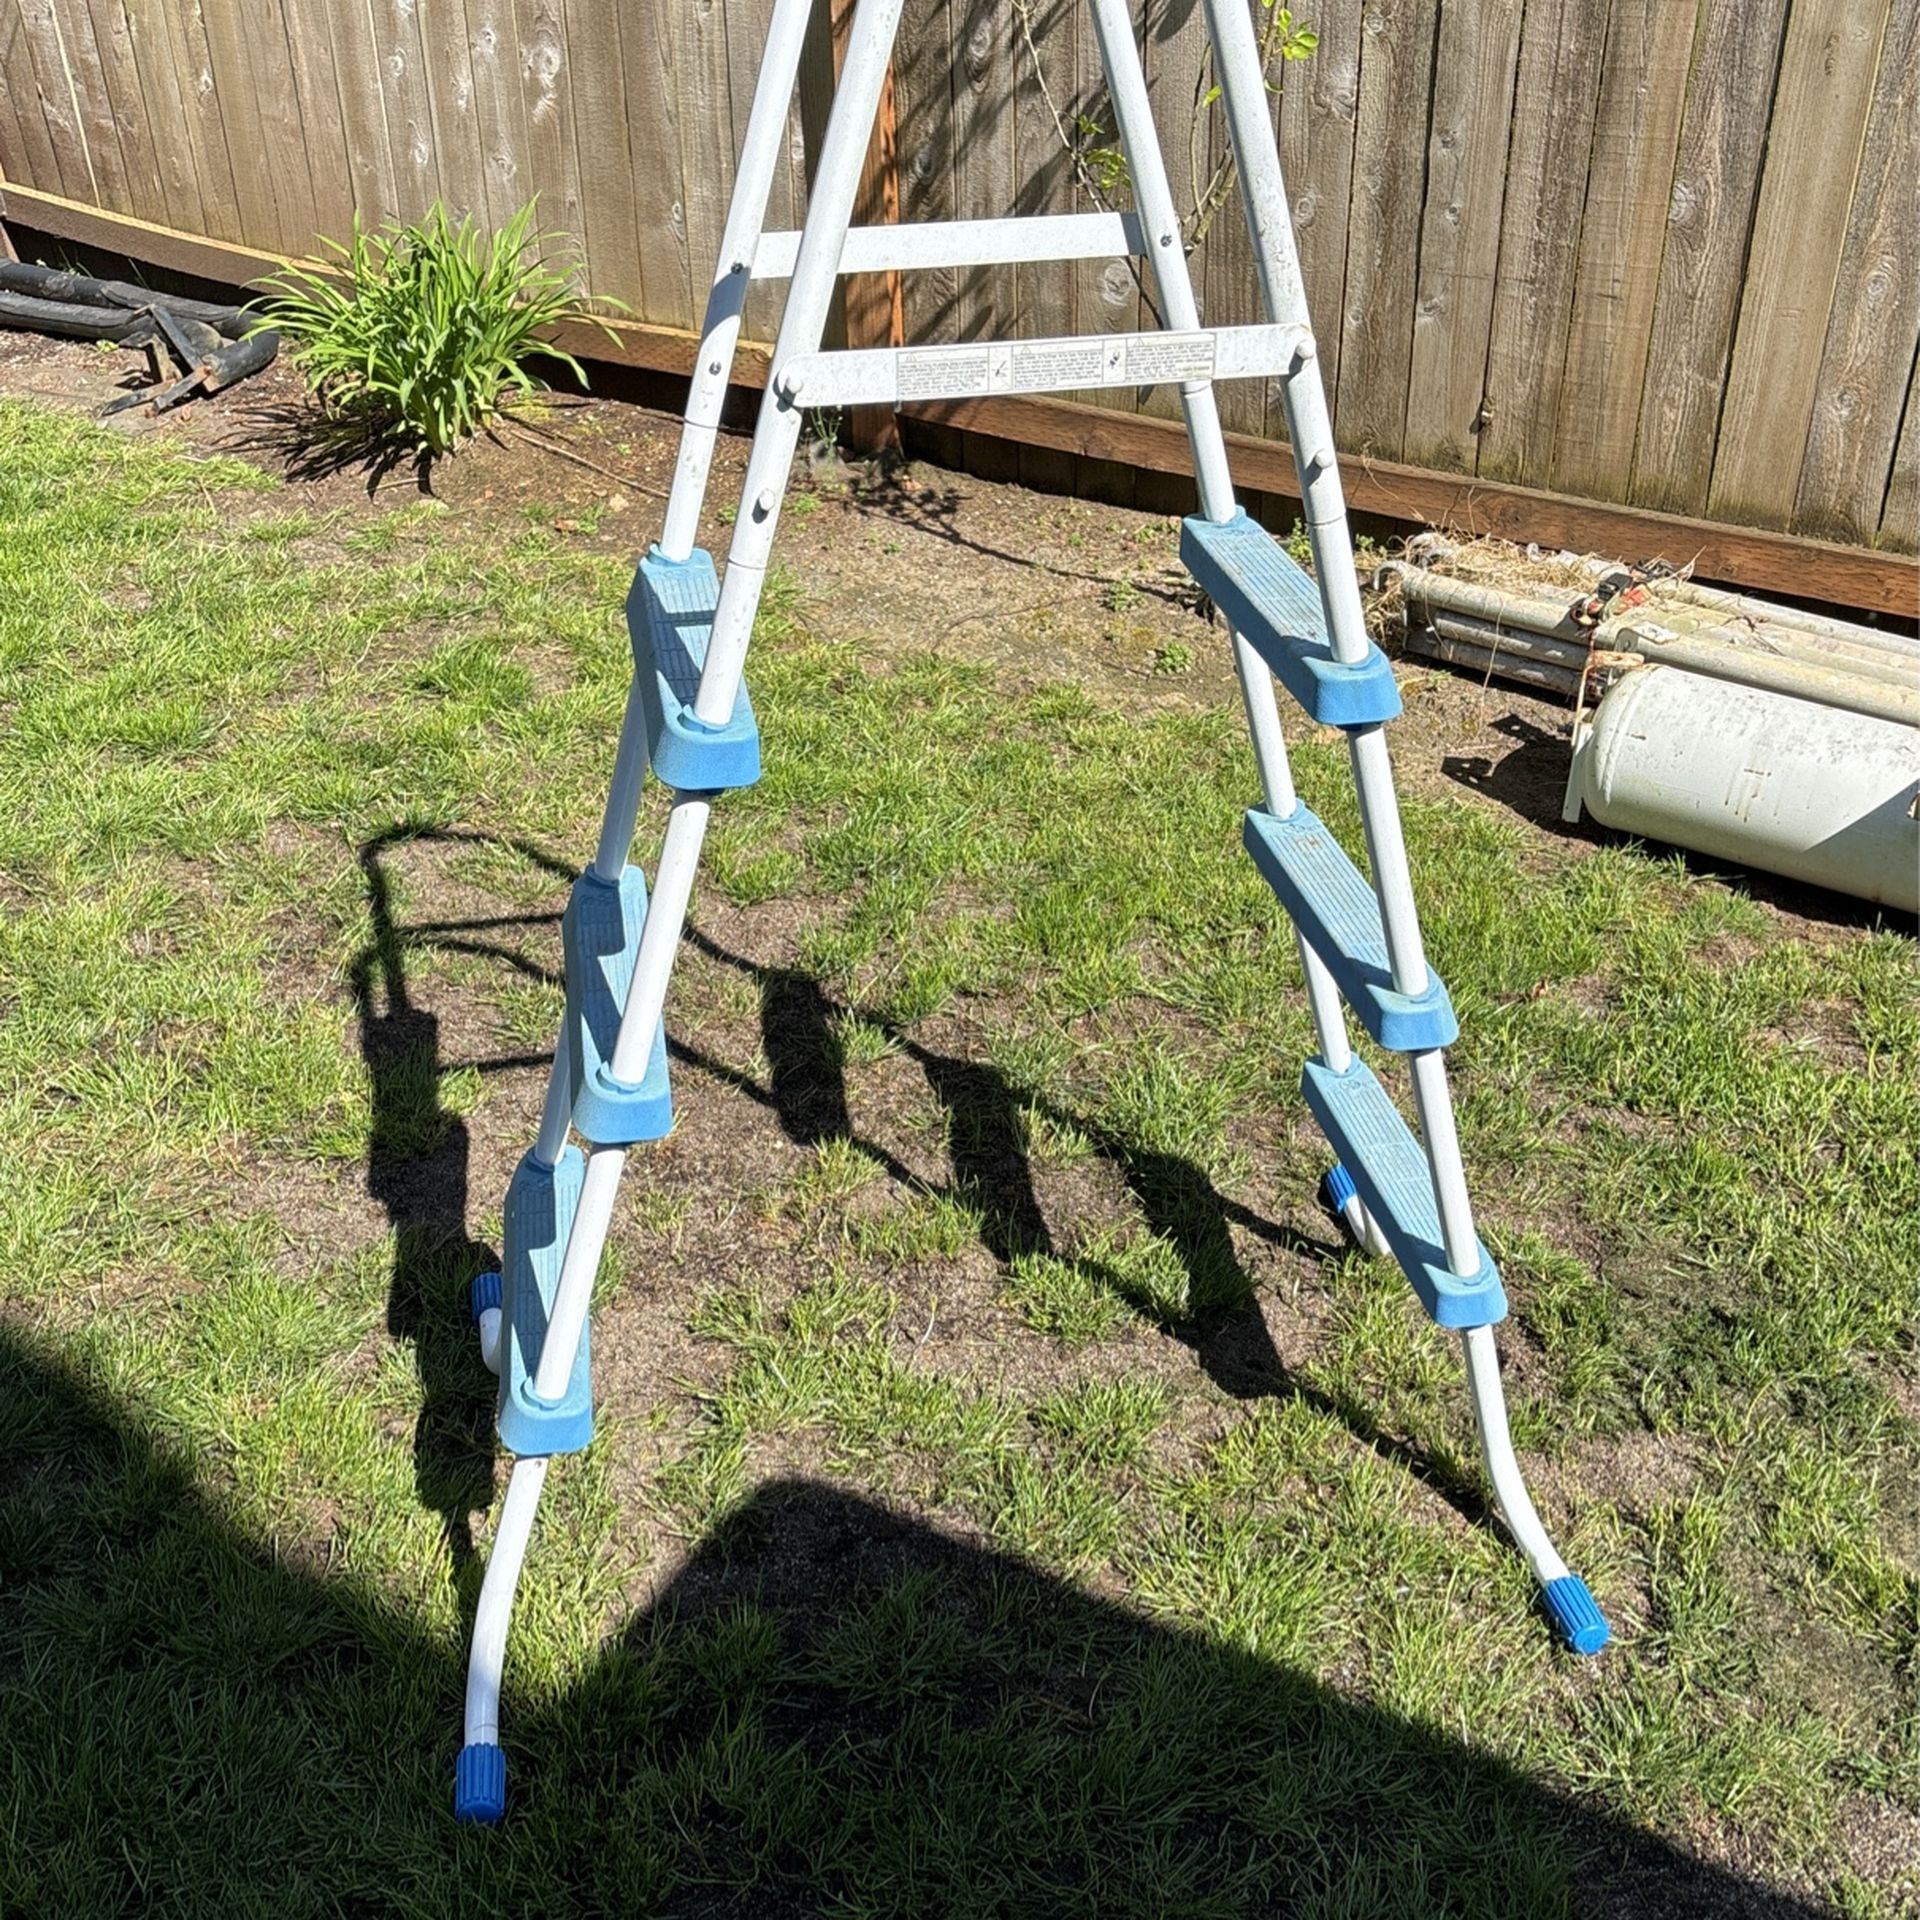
<point x="1657" y="253"/>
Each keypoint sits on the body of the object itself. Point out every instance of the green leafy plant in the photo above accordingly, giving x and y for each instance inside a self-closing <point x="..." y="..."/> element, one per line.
<point x="423" y="332"/>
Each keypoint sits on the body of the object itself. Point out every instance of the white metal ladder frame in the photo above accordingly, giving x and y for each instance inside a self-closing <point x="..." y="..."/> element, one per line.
<point x="803" y="376"/>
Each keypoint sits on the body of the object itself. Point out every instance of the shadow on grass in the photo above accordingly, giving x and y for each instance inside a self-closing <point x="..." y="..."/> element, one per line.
<point x="831" y="1709"/>
<point x="1221" y="1321"/>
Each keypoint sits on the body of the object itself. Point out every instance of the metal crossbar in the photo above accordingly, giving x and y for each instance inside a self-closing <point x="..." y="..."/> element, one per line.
<point x="1402" y="1193"/>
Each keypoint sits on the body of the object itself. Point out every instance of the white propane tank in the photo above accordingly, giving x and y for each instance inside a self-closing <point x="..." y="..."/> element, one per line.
<point x="1809" y="791"/>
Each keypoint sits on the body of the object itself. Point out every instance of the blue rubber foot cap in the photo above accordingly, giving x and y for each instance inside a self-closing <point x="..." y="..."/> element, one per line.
<point x="1575" y="1613"/>
<point x="1339" y="1187"/>
<point x="480" y="1786"/>
<point x="486" y="1293"/>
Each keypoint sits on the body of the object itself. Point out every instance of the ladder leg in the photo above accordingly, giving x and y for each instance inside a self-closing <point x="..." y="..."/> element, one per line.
<point x="1173" y="284"/>
<point x="480" y="1792"/>
<point x="1263" y="194"/>
<point x="480" y="1779"/>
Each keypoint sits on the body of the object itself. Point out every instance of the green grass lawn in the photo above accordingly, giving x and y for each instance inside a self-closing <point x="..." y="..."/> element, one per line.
<point x="1012" y="1496"/>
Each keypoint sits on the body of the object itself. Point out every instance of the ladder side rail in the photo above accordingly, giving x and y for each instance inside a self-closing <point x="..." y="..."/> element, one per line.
<point x="1264" y="198"/>
<point x="849" y="126"/>
<point x="1167" y="265"/>
<point x="761" y="148"/>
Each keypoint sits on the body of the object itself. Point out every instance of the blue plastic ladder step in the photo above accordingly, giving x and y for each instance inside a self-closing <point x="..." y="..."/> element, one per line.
<point x="670" y="620"/>
<point x="1248" y="575"/>
<point x="1385" y="1163"/>
<point x="600" y="937"/>
<point x="1338" y="915"/>
<point x="541" y="1202"/>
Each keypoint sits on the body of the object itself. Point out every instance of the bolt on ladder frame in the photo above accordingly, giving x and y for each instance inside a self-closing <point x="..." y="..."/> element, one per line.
<point x="689" y="716"/>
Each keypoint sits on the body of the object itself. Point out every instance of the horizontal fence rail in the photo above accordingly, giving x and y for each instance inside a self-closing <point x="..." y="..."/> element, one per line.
<point x="1655" y="254"/>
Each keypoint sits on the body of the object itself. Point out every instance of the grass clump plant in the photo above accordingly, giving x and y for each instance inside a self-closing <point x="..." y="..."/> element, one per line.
<point x="423" y="332"/>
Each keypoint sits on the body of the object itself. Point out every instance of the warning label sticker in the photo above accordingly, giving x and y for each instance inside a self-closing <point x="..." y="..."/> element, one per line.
<point x="1053" y="366"/>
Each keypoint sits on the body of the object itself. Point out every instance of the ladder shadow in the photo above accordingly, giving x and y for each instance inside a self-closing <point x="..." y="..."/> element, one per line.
<point x="418" y="1157"/>
<point x="988" y="1118"/>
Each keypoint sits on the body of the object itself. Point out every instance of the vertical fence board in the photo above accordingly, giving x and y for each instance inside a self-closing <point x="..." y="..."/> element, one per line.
<point x="288" y="145"/>
<point x="499" y="112"/>
<point x="1043" y="183"/>
<point x="695" y="45"/>
<point x="32" y="158"/>
<point x="447" y="67"/>
<point x="92" y="103"/>
<point x="1875" y="323"/>
<point x="595" y="105"/>
<point x="206" y="122"/>
<point x="1229" y="282"/>
<point x="1813" y="155"/>
<point x="1383" y="224"/>
<point x="410" y="133"/>
<point x="242" y="125"/>
<point x="330" y="168"/>
<point x="1174" y="44"/>
<point x="1478" y="47"/>
<point x="982" y="153"/>
<point x="923" y="104"/>
<point x="69" y="151"/>
<point x="545" y="76"/>
<point x="1318" y="108"/>
<point x="1900" y="518"/>
<point x="1716" y="180"/>
<point x="1621" y="232"/>
<point x="124" y="107"/>
<point x="1561" y="48"/>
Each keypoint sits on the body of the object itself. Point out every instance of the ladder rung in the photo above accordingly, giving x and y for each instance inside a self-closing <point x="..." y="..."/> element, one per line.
<point x="1274" y="603"/>
<point x="918" y="244"/>
<point x="1386" y="1164"/>
<point x="670" y="620"/>
<point x="600" y="937"/>
<point x="1338" y="915"/>
<point x="537" y="1221"/>
<point x="892" y="376"/>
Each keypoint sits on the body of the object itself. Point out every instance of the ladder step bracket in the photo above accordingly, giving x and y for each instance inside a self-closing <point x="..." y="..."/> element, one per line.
<point x="1274" y="604"/>
<point x="600" y="937"/>
<point x="541" y="1201"/>
<point x="1338" y="915"/>
<point x="922" y="244"/>
<point x="895" y="376"/>
<point x="670" y="619"/>
<point x="1386" y="1165"/>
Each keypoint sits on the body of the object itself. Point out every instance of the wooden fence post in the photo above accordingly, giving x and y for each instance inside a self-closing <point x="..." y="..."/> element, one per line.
<point x="875" y="309"/>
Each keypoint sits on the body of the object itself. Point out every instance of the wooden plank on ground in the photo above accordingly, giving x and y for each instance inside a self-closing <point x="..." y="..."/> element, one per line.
<point x="1900" y="517"/>
<point x="1716" y="179"/>
<point x="1813" y="156"/>
<point x="1383" y="225"/>
<point x="1562" y="43"/>
<point x="1474" y="61"/>
<point x="1622" y="231"/>
<point x="1319" y="106"/>
<point x="1760" y="558"/>
<point x="1875" y="324"/>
